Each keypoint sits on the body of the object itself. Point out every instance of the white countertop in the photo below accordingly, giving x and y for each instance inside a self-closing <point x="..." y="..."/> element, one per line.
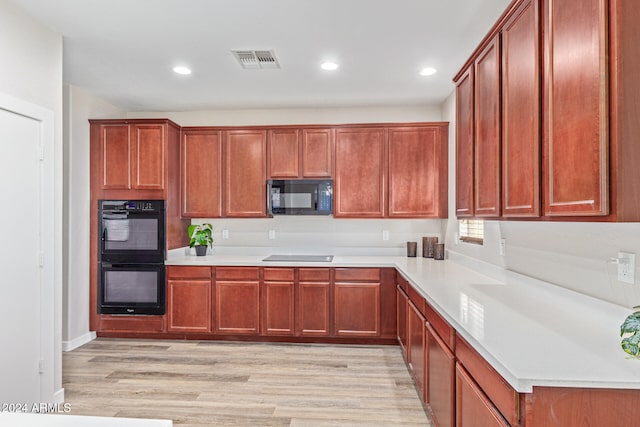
<point x="533" y="333"/>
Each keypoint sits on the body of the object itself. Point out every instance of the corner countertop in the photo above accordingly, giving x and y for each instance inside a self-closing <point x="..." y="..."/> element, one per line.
<point x="532" y="332"/>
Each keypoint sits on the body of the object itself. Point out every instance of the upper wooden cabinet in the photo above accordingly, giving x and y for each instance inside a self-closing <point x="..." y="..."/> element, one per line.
<point x="201" y="173"/>
<point x="576" y="132"/>
<point x="132" y="155"/>
<point x="521" y="112"/>
<point x="464" y="144"/>
<point x="418" y="171"/>
<point x="244" y="168"/>
<point x="583" y="82"/>
<point x="487" y="131"/>
<point x="360" y="173"/>
<point x="300" y="153"/>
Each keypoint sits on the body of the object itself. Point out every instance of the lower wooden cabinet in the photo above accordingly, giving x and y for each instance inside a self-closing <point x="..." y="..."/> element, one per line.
<point x="314" y="302"/>
<point x="237" y="301"/>
<point x="416" y="349"/>
<point x="473" y="408"/>
<point x="357" y="309"/>
<point x="402" y="302"/>
<point x="189" y="299"/>
<point x="278" y="301"/>
<point x="441" y="364"/>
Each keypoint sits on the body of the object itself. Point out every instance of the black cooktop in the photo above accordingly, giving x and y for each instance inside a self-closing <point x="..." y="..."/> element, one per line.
<point x="300" y="258"/>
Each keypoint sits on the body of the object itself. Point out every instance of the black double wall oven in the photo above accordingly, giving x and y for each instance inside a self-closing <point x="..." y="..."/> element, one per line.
<point x="131" y="270"/>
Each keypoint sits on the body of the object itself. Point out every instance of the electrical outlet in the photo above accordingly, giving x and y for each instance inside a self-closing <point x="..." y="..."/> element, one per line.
<point x="272" y="234"/>
<point x="626" y="267"/>
<point x="385" y="234"/>
<point x="503" y="246"/>
<point x="225" y="234"/>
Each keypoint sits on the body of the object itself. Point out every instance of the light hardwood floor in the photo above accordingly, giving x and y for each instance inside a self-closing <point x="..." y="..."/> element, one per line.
<point x="211" y="383"/>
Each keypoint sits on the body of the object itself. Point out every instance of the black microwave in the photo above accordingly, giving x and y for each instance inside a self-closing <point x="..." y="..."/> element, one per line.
<point x="300" y="197"/>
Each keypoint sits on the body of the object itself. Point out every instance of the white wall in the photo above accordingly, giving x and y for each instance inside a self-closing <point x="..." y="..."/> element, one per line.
<point x="32" y="71"/>
<point x="572" y="255"/>
<point x="79" y="107"/>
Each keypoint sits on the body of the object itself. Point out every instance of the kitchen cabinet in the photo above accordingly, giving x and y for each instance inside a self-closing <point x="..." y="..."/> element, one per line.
<point x="357" y="302"/>
<point x="360" y="173"/>
<point x="402" y="310"/>
<point x="237" y="299"/>
<point x="486" y="203"/>
<point x="576" y="132"/>
<point x="521" y="112"/>
<point x="201" y="173"/>
<point x="569" y="122"/>
<point x="464" y="144"/>
<point x="416" y="350"/>
<point x="189" y="299"/>
<point x="300" y="153"/>
<point x="418" y="176"/>
<point x="115" y="151"/>
<point x="278" y="301"/>
<point x="472" y="406"/>
<point x="244" y="154"/>
<point x="440" y="379"/>
<point x="314" y="302"/>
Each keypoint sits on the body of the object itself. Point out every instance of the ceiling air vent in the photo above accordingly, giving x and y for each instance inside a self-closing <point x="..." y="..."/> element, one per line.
<point x="256" y="59"/>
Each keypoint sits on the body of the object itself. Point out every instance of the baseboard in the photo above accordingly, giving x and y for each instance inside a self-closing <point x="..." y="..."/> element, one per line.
<point x="77" y="342"/>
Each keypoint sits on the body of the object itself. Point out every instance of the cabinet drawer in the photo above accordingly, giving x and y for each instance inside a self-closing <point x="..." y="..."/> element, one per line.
<point x="278" y="274"/>
<point x="417" y="300"/>
<point x="358" y="274"/>
<point x="314" y="274"/>
<point x="237" y="273"/>
<point x="174" y="272"/>
<point x="441" y="326"/>
<point x="403" y="283"/>
<point x="503" y="396"/>
<point x="132" y="323"/>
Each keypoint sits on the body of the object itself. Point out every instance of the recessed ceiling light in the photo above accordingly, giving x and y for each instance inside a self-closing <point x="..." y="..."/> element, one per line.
<point x="428" y="71"/>
<point x="329" y="66"/>
<point x="182" y="70"/>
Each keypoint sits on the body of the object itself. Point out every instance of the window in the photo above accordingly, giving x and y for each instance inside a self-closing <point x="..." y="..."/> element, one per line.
<point x="471" y="230"/>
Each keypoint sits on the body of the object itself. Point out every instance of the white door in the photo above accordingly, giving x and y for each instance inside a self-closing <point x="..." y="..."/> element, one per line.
<point x="21" y="223"/>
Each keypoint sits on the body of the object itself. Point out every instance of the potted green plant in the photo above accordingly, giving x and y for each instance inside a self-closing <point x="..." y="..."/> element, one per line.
<point x="201" y="236"/>
<point x="630" y="330"/>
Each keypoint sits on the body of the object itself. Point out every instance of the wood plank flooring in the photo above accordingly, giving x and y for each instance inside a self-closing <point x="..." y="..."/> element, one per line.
<point x="212" y="383"/>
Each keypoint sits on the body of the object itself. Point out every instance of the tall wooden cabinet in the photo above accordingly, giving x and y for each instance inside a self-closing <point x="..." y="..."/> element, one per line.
<point x="244" y="155"/>
<point x="417" y="172"/>
<point x="464" y="144"/>
<point x="520" y="44"/>
<point x="360" y="173"/>
<point x="201" y="173"/>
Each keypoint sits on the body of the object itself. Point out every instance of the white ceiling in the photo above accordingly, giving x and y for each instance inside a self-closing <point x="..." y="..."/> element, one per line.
<point x="124" y="50"/>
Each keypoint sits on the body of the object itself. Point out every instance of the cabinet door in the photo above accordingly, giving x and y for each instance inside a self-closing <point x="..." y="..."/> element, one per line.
<point x="317" y="153"/>
<point x="576" y="136"/>
<point x="357" y="309"/>
<point x="487" y="132"/>
<point x="284" y="153"/>
<point x="244" y="173"/>
<point x="115" y="141"/>
<point x="472" y="406"/>
<point x="313" y="309"/>
<point x="441" y="380"/>
<point x="417" y="349"/>
<point x="189" y="305"/>
<point x="277" y="308"/>
<point x="238" y="307"/>
<point x="521" y="113"/>
<point x="201" y="175"/>
<point x="417" y="172"/>
<point x="402" y="304"/>
<point x="149" y="145"/>
<point x="464" y="144"/>
<point x="360" y="173"/>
